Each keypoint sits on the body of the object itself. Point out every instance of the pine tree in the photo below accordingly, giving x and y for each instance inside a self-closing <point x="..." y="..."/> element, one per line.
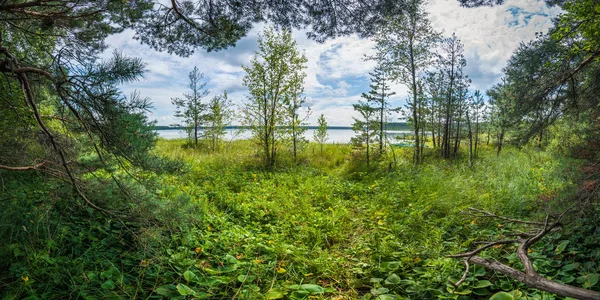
<point x="379" y="95"/>
<point x="365" y="127"/>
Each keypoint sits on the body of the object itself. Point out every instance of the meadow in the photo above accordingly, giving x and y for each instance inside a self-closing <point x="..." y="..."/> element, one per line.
<point x="219" y="226"/>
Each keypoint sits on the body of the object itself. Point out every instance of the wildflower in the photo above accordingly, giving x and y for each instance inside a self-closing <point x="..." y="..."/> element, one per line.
<point x="25" y="278"/>
<point x="198" y="250"/>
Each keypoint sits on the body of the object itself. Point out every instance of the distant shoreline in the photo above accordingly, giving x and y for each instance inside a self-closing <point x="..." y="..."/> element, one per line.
<point x="389" y="127"/>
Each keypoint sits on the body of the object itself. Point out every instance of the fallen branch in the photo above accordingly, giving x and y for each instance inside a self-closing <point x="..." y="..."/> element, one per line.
<point x="25" y="168"/>
<point x="530" y="277"/>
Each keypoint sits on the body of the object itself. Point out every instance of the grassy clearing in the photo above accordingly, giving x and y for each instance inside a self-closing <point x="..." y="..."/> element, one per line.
<point x="222" y="227"/>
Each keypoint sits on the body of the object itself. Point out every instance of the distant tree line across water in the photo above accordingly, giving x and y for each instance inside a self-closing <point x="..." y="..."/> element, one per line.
<point x="392" y="126"/>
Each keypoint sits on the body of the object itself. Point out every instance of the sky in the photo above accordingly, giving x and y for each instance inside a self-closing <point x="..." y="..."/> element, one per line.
<point x="336" y="71"/>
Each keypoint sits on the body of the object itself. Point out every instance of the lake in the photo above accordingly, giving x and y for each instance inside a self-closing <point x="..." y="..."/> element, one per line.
<point x="338" y="136"/>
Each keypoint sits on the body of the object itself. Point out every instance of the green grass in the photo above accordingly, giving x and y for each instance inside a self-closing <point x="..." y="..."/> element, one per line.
<point x="324" y="227"/>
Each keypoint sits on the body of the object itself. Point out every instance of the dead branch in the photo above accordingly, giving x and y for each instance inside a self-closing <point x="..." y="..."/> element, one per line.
<point x="25" y="168"/>
<point x="484" y="214"/>
<point x="530" y="277"/>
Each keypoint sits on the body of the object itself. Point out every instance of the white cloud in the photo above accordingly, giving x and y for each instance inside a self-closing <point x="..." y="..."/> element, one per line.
<point x="336" y="69"/>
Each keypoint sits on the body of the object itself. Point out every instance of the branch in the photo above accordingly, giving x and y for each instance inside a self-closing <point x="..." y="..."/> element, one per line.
<point x="190" y="22"/>
<point x="485" y="214"/>
<point x="530" y="277"/>
<point x="536" y="281"/>
<point x="26" y="168"/>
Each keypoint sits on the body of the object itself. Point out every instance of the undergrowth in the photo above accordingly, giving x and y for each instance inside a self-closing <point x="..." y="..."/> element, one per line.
<point x="218" y="226"/>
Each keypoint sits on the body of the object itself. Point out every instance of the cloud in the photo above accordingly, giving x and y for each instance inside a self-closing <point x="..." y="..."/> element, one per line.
<point x="336" y="70"/>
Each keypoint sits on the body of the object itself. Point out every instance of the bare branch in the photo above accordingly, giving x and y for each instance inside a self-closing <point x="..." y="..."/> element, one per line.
<point x="536" y="281"/>
<point x="463" y="278"/>
<point x="25" y="168"/>
<point x="485" y="214"/>
<point x="478" y="250"/>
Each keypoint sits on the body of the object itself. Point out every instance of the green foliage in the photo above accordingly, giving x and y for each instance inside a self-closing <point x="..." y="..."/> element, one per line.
<point x="320" y="135"/>
<point x="190" y="108"/>
<point x="275" y="80"/>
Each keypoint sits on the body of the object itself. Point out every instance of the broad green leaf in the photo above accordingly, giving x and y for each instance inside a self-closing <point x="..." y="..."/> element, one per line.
<point x="502" y="296"/>
<point x="243" y="278"/>
<point x="379" y="291"/>
<point x="185" y="290"/>
<point x="108" y="285"/>
<point x="481" y="292"/>
<point x="168" y="291"/>
<point x="562" y="246"/>
<point x="299" y="295"/>
<point x="393" y="279"/>
<point x="463" y="292"/>
<point x="274" y="294"/>
<point x="312" y="288"/>
<point x="482" y="284"/>
<point x="390" y="266"/>
<point x="588" y="280"/>
<point x="571" y="267"/>
<point x="386" y="297"/>
<point x="190" y="276"/>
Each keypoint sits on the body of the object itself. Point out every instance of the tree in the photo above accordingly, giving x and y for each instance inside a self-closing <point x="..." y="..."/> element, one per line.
<point x="191" y="108"/>
<point x="379" y="95"/>
<point x="218" y="117"/>
<point x="320" y="134"/>
<point x="451" y="61"/>
<point x="365" y="127"/>
<point x="293" y="103"/>
<point x="274" y="78"/>
<point x="404" y="49"/>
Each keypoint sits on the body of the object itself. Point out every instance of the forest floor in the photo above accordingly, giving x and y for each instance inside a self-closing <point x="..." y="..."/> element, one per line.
<point x="325" y="227"/>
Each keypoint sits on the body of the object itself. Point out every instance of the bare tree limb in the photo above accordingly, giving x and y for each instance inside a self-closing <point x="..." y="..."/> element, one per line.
<point x="484" y="214"/>
<point x="25" y="168"/>
<point x="530" y="277"/>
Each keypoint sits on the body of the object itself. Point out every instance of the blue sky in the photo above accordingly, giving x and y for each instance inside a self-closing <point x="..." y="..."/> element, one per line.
<point x="337" y="73"/>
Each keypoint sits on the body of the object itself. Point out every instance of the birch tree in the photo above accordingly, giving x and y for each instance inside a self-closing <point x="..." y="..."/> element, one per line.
<point x="274" y="77"/>
<point x="404" y="47"/>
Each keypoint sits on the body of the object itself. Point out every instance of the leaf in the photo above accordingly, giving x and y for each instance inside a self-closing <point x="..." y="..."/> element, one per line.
<point x="243" y="278"/>
<point x="185" y="290"/>
<point x="502" y="296"/>
<point x="482" y="284"/>
<point x="571" y="266"/>
<point x="386" y="297"/>
<point x="390" y="266"/>
<point x="463" y="292"/>
<point x="479" y="271"/>
<point x="190" y="276"/>
<point x="589" y="280"/>
<point x="481" y="292"/>
<point x="393" y="279"/>
<point x="312" y="288"/>
<point x="561" y="247"/>
<point x="379" y="291"/>
<point x="274" y="294"/>
<point x="168" y="291"/>
<point x="108" y="285"/>
<point x="299" y="295"/>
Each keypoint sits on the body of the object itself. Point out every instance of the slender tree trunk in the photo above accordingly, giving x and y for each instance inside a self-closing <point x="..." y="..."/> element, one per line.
<point x="500" y="141"/>
<point x="381" y="120"/>
<point x="470" y="139"/>
<point x="476" y="135"/>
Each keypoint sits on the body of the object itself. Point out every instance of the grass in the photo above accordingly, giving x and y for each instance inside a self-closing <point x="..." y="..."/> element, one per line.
<point x="323" y="227"/>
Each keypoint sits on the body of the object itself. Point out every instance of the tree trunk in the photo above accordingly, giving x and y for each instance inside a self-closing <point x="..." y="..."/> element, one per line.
<point x="500" y="141"/>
